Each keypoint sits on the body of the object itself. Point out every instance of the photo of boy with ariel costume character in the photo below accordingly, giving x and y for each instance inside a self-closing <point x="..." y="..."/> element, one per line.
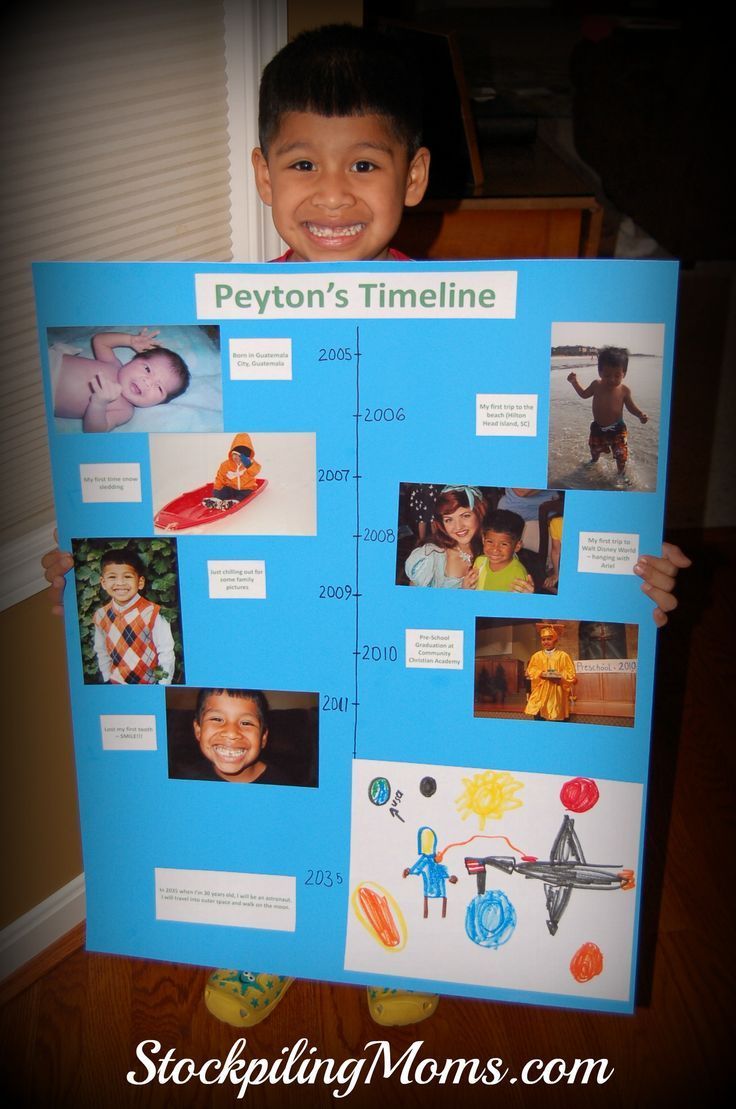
<point x="236" y="477"/>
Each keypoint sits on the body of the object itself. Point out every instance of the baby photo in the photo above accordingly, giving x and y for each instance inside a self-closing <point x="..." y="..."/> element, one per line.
<point x="605" y="401"/>
<point x="137" y="378"/>
<point x="579" y="671"/>
<point x="129" y="611"/>
<point x="484" y="537"/>
<point x="246" y="736"/>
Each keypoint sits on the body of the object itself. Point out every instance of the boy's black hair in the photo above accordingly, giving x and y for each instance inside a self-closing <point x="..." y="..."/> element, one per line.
<point x="180" y="368"/>
<point x="616" y="357"/>
<point x="341" y="70"/>
<point x="503" y="520"/>
<point x="123" y="556"/>
<point x="257" y="696"/>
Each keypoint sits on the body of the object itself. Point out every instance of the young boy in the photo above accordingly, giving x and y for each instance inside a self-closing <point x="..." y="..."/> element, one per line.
<point x="552" y="675"/>
<point x="499" y="567"/>
<point x="230" y="726"/>
<point x="236" y="477"/>
<point x="104" y="392"/>
<point x="133" y="641"/>
<point x="608" y="432"/>
<point x="340" y="157"/>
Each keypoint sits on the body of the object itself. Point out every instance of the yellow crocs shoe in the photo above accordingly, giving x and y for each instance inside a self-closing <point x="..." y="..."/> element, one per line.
<point x="243" y="999"/>
<point x="394" y="1007"/>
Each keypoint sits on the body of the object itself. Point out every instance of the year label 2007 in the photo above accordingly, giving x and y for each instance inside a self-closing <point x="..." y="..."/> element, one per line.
<point x="333" y="475"/>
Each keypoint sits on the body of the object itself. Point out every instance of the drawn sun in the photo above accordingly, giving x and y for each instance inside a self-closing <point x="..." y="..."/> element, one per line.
<point x="488" y="795"/>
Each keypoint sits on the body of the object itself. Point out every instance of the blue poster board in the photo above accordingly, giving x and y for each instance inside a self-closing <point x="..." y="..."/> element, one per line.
<point x="346" y="704"/>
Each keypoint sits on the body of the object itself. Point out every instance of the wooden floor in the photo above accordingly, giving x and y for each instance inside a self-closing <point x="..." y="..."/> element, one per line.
<point x="70" y="1038"/>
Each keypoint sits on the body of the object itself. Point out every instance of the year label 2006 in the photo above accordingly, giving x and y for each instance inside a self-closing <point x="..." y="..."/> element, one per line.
<point x="384" y="415"/>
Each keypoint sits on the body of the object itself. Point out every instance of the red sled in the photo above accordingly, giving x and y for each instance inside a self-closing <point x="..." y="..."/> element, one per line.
<point x="187" y="510"/>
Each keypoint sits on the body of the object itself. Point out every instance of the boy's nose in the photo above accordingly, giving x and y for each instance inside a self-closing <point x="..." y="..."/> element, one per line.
<point x="333" y="192"/>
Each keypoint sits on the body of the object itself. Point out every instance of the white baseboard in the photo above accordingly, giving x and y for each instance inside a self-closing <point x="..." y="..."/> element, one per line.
<point x="46" y="923"/>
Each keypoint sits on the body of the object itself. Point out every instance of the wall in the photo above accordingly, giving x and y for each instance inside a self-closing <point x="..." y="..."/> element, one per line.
<point x="305" y="14"/>
<point x="39" y="822"/>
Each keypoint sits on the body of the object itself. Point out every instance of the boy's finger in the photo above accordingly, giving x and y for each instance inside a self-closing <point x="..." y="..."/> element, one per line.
<point x="649" y="567"/>
<point x="663" y="598"/>
<point x="672" y="552"/>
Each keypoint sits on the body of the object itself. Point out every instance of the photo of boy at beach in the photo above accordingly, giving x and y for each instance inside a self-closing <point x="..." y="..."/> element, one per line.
<point x="108" y="378"/>
<point x="485" y="538"/>
<point x="129" y="611"/>
<point x="243" y="736"/>
<point x="617" y="369"/>
<point x="574" y="671"/>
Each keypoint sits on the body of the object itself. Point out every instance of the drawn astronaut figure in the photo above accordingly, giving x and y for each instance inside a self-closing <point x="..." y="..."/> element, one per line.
<point x="435" y="874"/>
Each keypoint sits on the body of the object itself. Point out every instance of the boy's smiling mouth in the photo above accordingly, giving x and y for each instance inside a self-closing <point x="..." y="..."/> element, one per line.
<point x="229" y="754"/>
<point x="336" y="231"/>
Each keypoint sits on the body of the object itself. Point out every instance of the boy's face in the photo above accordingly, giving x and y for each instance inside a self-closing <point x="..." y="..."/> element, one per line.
<point x="548" y="638"/>
<point x="231" y="735"/>
<point x="337" y="185"/>
<point x="147" y="379"/>
<point x="499" y="548"/>
<point x="611" y="376"/>
<point x="121" y="582"/>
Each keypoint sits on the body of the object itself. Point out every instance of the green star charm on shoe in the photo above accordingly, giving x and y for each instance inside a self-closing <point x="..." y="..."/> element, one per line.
<point x="242" y="998"/>
<point x="396" y="1007"/>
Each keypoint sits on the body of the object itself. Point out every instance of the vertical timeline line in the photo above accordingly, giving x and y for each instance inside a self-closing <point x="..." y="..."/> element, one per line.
<point x="356" y="649"/>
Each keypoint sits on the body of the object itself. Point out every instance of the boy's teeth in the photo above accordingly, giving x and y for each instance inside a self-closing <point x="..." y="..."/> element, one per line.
<point x="229" y="752"/>
<point x="334" y="232"/>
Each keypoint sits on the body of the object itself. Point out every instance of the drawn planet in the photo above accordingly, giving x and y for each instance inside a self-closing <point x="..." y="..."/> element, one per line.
<point x="490" y="919"/>
<point x="379" y="791"/>
<point x="587" y="962"/>
<point x="428" y="787"/>
<point x="579" y="794"/>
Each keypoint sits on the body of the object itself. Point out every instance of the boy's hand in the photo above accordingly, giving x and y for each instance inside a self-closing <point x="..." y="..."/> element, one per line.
<point x="56" y="564"/>
<point x="522" y="585"/>
<point x="144" y="340"/>
<point x="572" y="377"/>
<point x="643" y="417"/>
<point x="104" y="391"/>
<point x="659" y="579"/>
<point x="471" y="579"/>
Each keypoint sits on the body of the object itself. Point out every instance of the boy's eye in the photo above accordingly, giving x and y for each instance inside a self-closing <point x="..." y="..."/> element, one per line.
<point x="363" y="166"/>
<point x="304" y="165"/>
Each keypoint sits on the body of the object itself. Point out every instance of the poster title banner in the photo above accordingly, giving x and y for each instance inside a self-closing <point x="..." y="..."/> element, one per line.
<point x="277" y="295"/>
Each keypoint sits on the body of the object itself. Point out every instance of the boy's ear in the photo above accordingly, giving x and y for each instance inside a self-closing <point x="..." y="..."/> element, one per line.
<point x="417" y="178"/>
<point x="262" y="176"/>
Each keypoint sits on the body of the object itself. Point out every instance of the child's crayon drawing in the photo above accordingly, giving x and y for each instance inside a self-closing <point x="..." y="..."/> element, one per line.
<point x="538" y="907"/>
